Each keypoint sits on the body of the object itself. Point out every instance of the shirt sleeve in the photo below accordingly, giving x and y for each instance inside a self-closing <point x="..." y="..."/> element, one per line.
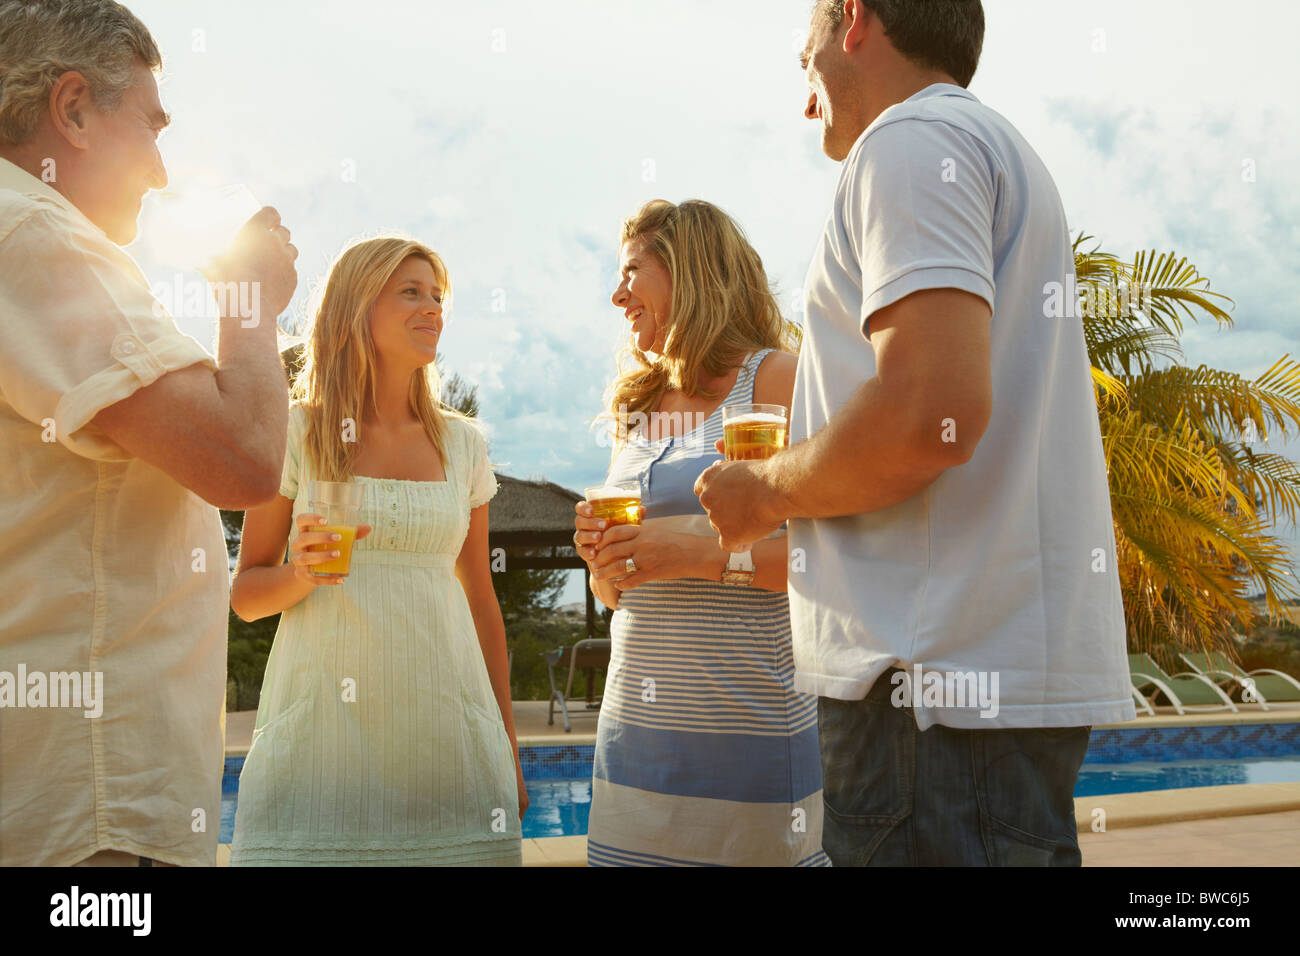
<point x="482" y="482"/>
<point x="81" y="330"/>
<point x="918" y="212"/>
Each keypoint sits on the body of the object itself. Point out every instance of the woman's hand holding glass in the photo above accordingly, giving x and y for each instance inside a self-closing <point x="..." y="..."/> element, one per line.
<point x="587" y="535"/>
<point x="660" y="549"/>
<point x="302" y="558"/>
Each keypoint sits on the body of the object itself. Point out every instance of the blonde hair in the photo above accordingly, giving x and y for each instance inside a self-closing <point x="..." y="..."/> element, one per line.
<point x="40" y="40"/>
<point x="340" y="366"/>
<point x="721" y="307"/>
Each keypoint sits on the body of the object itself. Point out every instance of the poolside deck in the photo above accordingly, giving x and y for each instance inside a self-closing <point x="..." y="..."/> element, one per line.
<point x="1243" y="825"/>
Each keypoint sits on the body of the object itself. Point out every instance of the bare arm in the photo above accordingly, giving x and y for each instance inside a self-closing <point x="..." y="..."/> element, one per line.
<point x="222" y="434"/>
<point x="473" y="570"/>
<point x="605" y="592"/>
<point x="924" y="412"/>
<point x="677" y="547"/>
<point x="265" y="584"/>
<point x="685" y="546"/>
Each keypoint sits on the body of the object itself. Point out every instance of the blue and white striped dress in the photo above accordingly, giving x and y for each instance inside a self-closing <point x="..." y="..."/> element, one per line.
<point x="705" y="754"/>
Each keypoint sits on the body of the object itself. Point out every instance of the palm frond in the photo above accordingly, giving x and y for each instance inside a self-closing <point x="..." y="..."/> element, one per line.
<point x="1167" y="284"/>
<point x="1119" y="346"/>
<point x="1218" y="402"/>
<point x="1107" y="389"/>
<point x="1141" y="454"/>
<point x="1192" y="502"/>
<point x="1272" y="479"/>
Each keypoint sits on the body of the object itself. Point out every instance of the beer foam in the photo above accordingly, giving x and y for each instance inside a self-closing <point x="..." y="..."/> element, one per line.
<point x="757" y="418"/>
<point x="600" y="494"/>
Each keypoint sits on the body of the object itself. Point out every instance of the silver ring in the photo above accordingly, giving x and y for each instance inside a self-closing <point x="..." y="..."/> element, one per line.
<point x="630" y="565"/>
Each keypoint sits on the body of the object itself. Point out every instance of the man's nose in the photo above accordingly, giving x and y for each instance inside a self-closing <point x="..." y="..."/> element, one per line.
<point x="812" y="111"/>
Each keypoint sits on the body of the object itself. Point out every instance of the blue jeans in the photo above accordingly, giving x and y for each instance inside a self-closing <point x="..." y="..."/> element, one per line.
<point x="895" y="796"/>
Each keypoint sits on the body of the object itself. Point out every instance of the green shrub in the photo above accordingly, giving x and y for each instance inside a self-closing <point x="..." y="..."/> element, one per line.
<point x="529" y="639"/>
<point x="246" y="653"/>
<point x="1274" y="646"/>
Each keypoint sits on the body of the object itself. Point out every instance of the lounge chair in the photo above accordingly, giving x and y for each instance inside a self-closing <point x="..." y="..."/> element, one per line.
<point x="587" y="654"/>
<point x="1194" y="692"/>
<point x="1143" y="705"/>
<point x="1262" y="685"/>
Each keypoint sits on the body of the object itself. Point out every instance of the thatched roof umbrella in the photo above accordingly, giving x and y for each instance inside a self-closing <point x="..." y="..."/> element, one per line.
<point x="533" y="514"/>
<point x="533" y="522"/>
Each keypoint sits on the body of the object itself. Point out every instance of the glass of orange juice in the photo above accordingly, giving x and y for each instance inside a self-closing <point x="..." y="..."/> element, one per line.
<point x="339" y="503"/>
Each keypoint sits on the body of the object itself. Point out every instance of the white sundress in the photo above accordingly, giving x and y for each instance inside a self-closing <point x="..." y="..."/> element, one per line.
<point x="378" y="739"/>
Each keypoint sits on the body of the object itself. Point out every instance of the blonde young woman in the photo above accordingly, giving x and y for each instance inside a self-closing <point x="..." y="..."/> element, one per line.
<point x="704" y="753"/>
<point x="385" y="732"/>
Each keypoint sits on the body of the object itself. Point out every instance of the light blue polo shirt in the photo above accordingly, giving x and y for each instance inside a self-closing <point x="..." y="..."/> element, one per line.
<point x="1005" y="564"/>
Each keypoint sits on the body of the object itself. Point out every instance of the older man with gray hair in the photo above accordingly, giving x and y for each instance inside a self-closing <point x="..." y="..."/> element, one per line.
<point x="121" y="437"/>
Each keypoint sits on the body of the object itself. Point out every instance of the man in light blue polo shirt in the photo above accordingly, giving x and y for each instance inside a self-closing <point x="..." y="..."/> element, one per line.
<point x="953" y="588"/>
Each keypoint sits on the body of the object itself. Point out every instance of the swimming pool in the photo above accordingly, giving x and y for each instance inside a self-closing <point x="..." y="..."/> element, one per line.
<point x="1123" y="760"/>
<point x="1149" y="775"/>
<point x="557" y="806"/>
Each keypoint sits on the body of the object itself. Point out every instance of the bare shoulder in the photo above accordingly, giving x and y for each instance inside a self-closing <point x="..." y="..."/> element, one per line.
<point x="774" y="383"/>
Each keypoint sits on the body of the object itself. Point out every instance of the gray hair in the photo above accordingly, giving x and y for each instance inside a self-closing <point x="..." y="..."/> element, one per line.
<point x="40" y="40"/>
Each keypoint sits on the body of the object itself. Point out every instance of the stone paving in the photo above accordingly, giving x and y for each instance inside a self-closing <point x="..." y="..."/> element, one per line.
<point x="1265" y="839"/>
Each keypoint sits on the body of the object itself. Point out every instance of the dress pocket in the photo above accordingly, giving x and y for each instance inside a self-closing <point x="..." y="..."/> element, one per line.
<point x="284" y="725"/>
<point x="279" y="758"/>
<point x="485" y="736"/>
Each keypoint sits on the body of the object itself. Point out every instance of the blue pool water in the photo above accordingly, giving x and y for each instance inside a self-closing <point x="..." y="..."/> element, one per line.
<point x="1148" y="775"/>
<point x="556" y="807"/>
<point x="1126" y="760"/>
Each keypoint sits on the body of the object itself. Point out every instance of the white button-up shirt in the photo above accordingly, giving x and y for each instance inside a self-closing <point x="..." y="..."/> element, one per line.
<point x="115" y="577"/>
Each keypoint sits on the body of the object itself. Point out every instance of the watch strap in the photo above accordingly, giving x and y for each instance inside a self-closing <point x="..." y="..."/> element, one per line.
<point x="740" y="569"/>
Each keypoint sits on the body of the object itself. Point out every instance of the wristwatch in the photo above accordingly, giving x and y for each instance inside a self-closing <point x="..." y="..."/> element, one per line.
<point x="740" y="570"/>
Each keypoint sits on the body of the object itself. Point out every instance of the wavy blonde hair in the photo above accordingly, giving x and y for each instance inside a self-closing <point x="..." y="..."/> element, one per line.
<point x="721" y="307"/>
<point x="340" y="367"/>
<point x="40" y="40"/>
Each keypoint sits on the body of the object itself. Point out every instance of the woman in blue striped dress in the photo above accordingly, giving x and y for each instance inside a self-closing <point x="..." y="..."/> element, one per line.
<point x="705" y="754"/>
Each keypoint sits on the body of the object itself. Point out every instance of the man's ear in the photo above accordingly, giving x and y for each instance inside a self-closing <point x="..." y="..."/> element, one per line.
<point x="859" y="19"/>
<point x="70" y="106"/>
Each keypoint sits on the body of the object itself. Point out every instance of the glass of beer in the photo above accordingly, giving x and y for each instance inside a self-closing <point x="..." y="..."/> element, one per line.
<point x="754" y="432"/>
<point x="616" y="503"/>
<point x="339" y="503"/>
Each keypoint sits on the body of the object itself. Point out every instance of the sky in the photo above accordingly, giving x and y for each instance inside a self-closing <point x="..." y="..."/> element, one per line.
<point x="514" y="137"/>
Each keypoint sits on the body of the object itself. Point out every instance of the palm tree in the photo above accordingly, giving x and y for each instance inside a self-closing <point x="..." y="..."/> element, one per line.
<point x="1193" y="502"/>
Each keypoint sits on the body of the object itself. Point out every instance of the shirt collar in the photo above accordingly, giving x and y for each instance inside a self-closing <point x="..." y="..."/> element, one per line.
<point x="19" y="180"/>
<point x="941" y="89"/>
<point x="934" y="89"/>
